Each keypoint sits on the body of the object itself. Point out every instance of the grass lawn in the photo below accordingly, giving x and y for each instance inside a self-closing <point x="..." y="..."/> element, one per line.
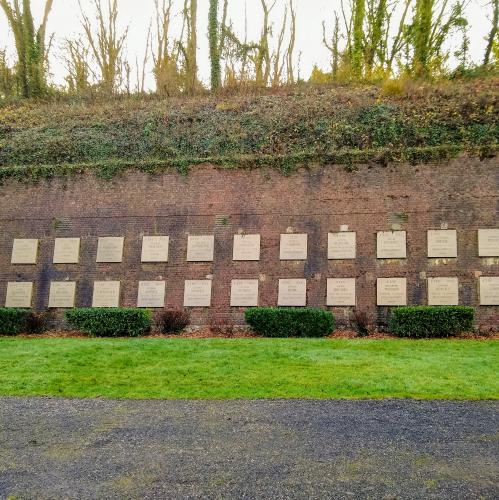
<point x="249" y="368"/>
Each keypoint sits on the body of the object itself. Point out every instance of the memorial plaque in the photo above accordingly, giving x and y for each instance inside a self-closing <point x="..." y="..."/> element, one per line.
<point x="155" y="249"/>
<point x="391" y="291"/>
<point x="110" y="249"/>
<point x="442" y="243"/>
<point x="106" y="294"/>
<point x="244" y="293"/>
<point x="200" y="248"/>
<point x="151" y="294"/>
<point x="341" y="292"/>
<point x="197" y="293"/>
<point x="62" y="294"/>
<point x="488" y="242"/>
<point x="292" y="292"/>
<point x="19" y="294"/>
<point x="246" y="247"/>
<point x="489" y="291"/>
<point x="293" y="247"/>
<point x="443" y="291"/>
<point x="66" y="251"/>
<point x="24" y="251"/>
<point x="391" y="245"/>
<point x="341" y="245"/>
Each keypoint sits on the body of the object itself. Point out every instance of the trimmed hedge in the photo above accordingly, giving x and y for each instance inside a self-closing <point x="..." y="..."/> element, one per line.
<point x="13" y="321"/>
<point x="110" y="322"/>
<point x="431" y="321"/>
<point x="290" y="322"/>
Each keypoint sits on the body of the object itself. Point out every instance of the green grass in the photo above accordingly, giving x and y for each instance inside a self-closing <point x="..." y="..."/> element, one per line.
<point x="249" y="368"/>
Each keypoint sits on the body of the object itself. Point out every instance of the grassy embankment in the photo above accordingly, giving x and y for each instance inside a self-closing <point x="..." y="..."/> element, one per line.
<point x="283" y="129"/>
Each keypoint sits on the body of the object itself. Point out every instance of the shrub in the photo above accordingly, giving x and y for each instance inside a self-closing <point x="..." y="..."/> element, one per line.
<point x="431" y="321"/>
<point x="110" y="322"/>
<point x="360" y="323"/>
<point x="173" y="321"/>
<point x="290" y="322"/>
<point x="12" y="321"/>
<point x="37" y="322"/>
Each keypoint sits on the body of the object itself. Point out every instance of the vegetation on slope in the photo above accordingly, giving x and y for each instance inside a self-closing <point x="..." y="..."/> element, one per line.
<point x="284" y="129"/>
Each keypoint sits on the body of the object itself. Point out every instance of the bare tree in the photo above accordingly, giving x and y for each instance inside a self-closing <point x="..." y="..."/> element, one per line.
<point x="106" y="44"/>
<point x="76" y="56"/>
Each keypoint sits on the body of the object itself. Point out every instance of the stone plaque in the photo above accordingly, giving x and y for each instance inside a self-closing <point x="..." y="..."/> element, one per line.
<point x="66" y="251"/>
<point x="293" y="247"/>
<point x="341" y="292"/>
<point x="24" y="251"/>
<point x="391" y="291"/>
<point x="341" y="245"/>
<point x="442" y="243"/>
<point x="62" y="294"/>
<point x="155" y="249"/>
<point x="110" y="249"/>
<point x="391" y="245"/>
<point x="106" y="294"/>
<point x="443" y="291"/>
<point x="488" y="242"/>
<point x="197" y="293"/>
<point x="246" y="247"/>
<point x="200" y="248"/>
<point x="489" y="290"/>
<point x="292" y="292"/>
<point x="151" y="294"/>
<point x="244" y="293"/>
<point x="19" y="294"/>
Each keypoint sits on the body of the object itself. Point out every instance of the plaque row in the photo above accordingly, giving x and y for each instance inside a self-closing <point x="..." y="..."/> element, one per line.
<point x="442" y="243"/>
<point x="341" y="292"/>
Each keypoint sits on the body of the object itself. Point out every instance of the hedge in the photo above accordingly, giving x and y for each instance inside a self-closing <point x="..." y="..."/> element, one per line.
<point x="110" y="322"/>
<point x="13" y="321"/>
<point x="290" y="322"/>
<point x="431" y="321"/>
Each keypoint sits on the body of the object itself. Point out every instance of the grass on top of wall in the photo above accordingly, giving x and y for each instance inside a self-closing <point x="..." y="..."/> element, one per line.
<point x="249" y="368"/>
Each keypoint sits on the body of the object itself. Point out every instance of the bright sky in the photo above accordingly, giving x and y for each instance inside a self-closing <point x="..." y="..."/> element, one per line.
<point x="136" y="14"/>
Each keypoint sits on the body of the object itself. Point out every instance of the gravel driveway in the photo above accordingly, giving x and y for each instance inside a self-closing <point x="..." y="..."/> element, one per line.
<point x="66" y="448"/>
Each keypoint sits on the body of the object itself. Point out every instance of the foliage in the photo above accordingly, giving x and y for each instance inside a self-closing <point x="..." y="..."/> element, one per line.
<point x="110" y="322"/>
<point x="173" y="321"/>
<point x="32" y="53"/>
<point x="431" y="321"/>
<point x="13" y="321"/>
<point x="290" y="322"/>
<point x="250" y="368"/>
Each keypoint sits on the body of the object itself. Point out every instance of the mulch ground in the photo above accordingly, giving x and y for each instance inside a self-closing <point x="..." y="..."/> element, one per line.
<point x="208" y="333"/>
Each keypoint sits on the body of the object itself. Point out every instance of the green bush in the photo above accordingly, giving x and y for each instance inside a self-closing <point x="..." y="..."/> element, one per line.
<point x="110" y="322"/>
<point x="431" y="321"/>
<point x="13" y="321"/>
<point x="290" y="322"/>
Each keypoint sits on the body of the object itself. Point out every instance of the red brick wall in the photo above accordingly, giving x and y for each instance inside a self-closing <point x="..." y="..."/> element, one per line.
<point x="462" y="194"/>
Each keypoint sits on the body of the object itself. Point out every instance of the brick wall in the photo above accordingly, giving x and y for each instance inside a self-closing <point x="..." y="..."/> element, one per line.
<point x="462" y="195"/>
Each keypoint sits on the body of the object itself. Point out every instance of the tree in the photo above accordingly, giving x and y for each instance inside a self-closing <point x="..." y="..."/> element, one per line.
<point x="32" y="51"/>
<point x="431" y="26"/>
<point x="165" y="53"/>
<point x="76" y="58"/>
<point x="106" y="44"/>
<point x="190" y="50"/>
<point x="492" y="36"/>
<point x="359" y="12"/>
<point x="7" y="77"/>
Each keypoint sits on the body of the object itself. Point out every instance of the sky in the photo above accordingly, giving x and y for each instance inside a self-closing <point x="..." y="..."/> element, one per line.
<point x="65" y="21"/>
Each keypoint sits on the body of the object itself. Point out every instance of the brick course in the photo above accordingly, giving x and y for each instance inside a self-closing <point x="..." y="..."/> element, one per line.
<point x="462" y="194"/>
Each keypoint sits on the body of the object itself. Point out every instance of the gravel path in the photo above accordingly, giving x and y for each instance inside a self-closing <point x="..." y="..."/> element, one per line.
<point x="64" y="448"/>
